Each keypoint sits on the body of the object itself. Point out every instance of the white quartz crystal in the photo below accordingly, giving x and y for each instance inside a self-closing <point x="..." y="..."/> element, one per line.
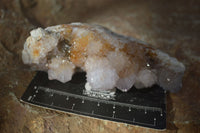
<point x="109" y="59"/>
<point x="100" y="73"/>
<point x="60" y="69"/>
<point x="38" y="45"/>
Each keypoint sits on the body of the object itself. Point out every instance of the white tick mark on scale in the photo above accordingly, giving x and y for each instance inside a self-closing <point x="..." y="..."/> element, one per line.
<point x="154" y="121"/>
<point x="67" y="98"/>
<point x="113" y="114"/>
<point x="73" y="106"/>
<point x="29" y="98"/>
<point x="145" y="111"/>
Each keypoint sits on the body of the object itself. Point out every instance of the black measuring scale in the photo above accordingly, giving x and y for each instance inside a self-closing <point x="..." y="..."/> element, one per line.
<point x="142" y="107"/>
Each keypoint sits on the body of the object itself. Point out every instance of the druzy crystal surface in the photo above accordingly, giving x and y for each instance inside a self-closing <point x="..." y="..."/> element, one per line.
<point x="109" y="59"/>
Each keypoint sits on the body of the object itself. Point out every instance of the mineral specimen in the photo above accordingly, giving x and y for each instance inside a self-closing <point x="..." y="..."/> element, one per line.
<point x="109" y="59"/>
